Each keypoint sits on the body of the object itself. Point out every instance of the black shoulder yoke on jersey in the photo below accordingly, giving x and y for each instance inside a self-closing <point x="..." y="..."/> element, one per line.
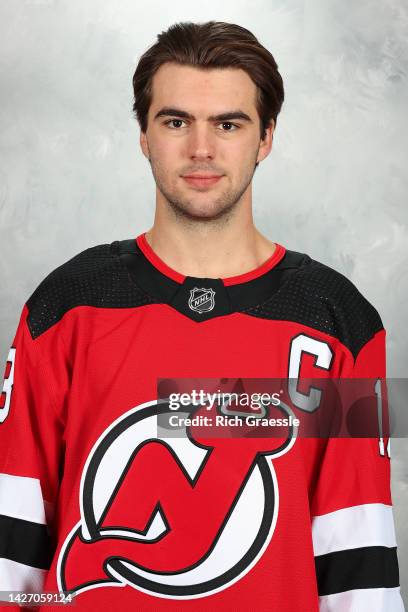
<point x="118" y="275"/>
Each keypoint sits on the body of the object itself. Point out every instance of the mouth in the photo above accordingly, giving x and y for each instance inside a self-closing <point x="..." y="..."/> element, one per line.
<point x="202" y="180"/>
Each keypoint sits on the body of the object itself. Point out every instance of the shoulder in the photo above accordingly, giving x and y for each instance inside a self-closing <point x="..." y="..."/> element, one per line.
<point x="93" y="277"/>
<point x="317" y="295"/>
<point x="338" y="294"/>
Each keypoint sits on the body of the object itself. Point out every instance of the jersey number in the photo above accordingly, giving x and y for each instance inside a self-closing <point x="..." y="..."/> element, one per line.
<point x="7" y="386"/>
<point x="377" y="389"/>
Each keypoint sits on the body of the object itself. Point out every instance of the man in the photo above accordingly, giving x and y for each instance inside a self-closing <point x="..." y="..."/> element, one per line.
<point x="97" y="499"/>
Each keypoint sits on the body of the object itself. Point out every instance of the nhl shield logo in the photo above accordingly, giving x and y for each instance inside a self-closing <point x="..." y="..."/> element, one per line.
<point x="201" y="299"/>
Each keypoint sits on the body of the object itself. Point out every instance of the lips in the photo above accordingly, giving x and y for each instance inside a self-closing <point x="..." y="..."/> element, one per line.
<point x="202" y="180"/>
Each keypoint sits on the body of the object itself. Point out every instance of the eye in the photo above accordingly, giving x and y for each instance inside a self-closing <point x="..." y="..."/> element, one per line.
<point x="230" y="127"/>
<point x="174" y="121"/>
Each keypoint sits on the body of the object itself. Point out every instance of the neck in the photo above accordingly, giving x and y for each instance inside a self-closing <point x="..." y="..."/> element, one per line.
<point x="230" y="246"/>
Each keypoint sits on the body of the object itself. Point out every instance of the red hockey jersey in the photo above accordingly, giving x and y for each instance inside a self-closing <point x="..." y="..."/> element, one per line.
<point x="96" y="503"/>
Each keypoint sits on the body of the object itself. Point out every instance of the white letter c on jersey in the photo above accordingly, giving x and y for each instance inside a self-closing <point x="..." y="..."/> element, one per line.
<point x="323" y="358"/>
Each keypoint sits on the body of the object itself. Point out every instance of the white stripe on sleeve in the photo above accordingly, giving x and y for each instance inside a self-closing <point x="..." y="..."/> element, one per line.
<point x="363" y="600"/>
<point x="21" y="497"/>
<point x="354" y="527"/>
<point x="20" y="577"/>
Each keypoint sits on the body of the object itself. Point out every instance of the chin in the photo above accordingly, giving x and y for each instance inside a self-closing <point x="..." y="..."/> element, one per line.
<point x="204" y="214"/>
<point x="200" y="206"/>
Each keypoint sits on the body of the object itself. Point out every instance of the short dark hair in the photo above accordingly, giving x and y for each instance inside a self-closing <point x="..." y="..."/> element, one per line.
<point x="214" y="44"/>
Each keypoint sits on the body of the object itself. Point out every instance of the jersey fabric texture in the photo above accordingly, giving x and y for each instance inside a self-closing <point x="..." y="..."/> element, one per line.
<point x="94" y="502"/>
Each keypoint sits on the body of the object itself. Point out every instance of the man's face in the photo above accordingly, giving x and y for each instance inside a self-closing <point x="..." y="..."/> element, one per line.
<point x="203" y="138"/>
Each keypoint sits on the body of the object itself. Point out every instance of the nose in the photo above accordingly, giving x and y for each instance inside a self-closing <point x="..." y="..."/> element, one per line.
<point x="201" y="143"/>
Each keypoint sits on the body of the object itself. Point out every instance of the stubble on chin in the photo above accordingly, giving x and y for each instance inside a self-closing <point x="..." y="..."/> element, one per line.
<point x="209" y="210"/>
<point x="190" y="209"/>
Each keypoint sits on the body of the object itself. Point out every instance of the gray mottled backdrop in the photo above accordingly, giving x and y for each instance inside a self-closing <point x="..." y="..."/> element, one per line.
<point x="335" y="186"/>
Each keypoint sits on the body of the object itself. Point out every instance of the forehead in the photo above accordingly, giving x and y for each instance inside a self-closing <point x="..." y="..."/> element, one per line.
<point x="190" y="87"/>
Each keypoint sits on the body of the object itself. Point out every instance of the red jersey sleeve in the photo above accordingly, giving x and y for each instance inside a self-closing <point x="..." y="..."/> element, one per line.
<point x="31" y="452"/>
<point x="352" y="519"/>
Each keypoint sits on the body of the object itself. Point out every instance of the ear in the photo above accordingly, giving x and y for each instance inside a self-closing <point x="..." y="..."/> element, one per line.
<point x="144" y="145"/>
<point x="265" y="145"/>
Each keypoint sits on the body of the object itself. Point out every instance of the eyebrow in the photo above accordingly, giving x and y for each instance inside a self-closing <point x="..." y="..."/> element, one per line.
<point x="177" y="112"/>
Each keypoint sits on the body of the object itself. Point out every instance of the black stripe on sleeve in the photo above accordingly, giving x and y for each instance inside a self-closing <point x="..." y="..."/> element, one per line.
<point x="370" y="567"/>
<point x="25" y="542"/>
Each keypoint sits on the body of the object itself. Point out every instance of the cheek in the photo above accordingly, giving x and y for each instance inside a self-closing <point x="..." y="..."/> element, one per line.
<point x="162" y="148"/>
<point x="239" y="160"/>
<point x="167" y="154"/>
<point x="241" y="151"/>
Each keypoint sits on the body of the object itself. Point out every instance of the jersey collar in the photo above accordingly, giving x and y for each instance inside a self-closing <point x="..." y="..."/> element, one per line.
<point x="200" y="298"/>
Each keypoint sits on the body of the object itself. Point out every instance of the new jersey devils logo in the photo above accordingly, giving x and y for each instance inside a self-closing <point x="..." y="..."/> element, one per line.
<point x="179" y="517"/>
